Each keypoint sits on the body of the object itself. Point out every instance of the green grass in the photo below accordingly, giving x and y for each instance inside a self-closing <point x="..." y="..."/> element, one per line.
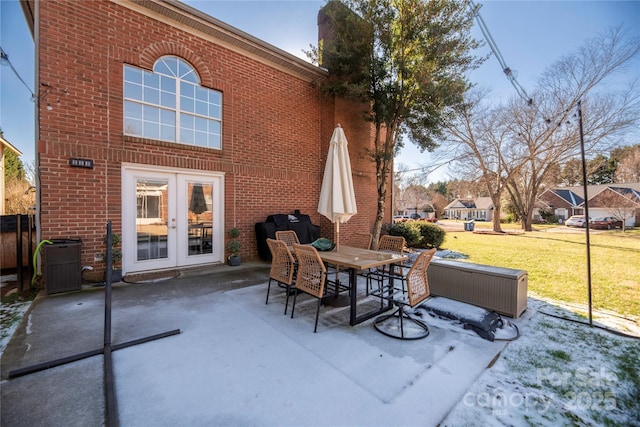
<point x="557" y="263"/>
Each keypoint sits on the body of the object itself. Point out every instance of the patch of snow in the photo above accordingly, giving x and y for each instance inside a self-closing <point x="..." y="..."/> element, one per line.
<point x="10" y="315"/>
<point x="449" y="254"/>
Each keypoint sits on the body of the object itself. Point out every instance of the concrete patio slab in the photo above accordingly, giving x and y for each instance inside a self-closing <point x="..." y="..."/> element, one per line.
<point x="236" y="361"/>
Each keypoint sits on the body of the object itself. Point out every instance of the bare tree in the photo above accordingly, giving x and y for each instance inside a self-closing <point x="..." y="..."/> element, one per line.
<point x="618" y="203"/>
<point x="399" y="184"/>
<point x="439" y="202"/>
<point x="416" y="198"/>
<point x="628" y="169"/>
<point x="548" y="141"/>
<point x="548" y="130"/>
<point x="461" y="189"/>
<point x="571" y="173"/>
<point x="515" y="148"/>
<point x="486" y="150"/>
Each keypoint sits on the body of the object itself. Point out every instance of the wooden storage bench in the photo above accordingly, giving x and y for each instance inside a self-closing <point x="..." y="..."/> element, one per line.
<point x="503" y="290"/>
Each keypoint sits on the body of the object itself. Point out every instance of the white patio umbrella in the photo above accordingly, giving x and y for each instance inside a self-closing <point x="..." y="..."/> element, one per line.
<point x="337" y="198"/>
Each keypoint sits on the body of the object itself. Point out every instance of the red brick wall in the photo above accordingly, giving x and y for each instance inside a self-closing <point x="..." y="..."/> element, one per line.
<point x="554" y="200"/>
<point x="276" y="127"/>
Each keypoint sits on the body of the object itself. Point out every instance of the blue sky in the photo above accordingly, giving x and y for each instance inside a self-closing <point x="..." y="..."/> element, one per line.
<point x="531" y="35"/>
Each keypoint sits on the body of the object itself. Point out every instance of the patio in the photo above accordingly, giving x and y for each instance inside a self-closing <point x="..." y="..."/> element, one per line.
<point x="236" y="361"/>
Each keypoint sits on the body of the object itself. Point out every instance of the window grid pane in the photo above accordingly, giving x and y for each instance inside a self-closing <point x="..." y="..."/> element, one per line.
<point x="155" y="109"/>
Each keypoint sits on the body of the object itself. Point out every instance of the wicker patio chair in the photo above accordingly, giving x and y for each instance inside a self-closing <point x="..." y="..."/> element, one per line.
<point x="361" y="240"/>
<point x="282" y="268"/>
<point x="391" y="244"/>
<point x="311" y="276"/>
<point x="393" y="325"/>
<point x="288" y="236"/>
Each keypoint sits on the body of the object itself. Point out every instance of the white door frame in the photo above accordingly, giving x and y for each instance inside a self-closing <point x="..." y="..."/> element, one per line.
<point x="177" y="230"/>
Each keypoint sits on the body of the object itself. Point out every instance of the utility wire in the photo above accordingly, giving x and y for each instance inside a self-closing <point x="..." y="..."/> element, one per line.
<point x="4" y="58"/>
<point x="496" y="52"/>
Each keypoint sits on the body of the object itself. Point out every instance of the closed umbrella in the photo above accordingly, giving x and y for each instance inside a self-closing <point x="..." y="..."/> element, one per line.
<point x="337" y="197"/>
<point x="197" y="204"/>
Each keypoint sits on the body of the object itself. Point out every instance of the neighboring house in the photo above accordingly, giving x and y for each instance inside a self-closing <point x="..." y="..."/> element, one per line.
<point x="480" y="209"/>
<point x="563" y="202"/>
<point x="4" y="145"/>
<point x="177" y="127"/>
<point x="424" y="210"/>
<point x="619" y="200"/>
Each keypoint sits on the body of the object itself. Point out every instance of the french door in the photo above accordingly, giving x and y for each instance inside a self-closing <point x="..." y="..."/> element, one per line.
<point x="171" y="218"/>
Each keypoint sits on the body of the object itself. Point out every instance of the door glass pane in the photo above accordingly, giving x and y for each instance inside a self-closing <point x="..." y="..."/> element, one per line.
<point x="151" y="218"/>
<point x="199" y="218"/>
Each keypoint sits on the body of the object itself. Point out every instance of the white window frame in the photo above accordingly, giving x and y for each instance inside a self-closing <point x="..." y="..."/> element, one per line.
<point x="161" y="90"/>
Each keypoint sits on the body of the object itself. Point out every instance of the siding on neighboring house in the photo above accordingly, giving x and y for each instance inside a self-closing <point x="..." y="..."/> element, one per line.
<point x="4" y="143"/>
<point x="480" y="209"/>
<point x="276" y="124"/>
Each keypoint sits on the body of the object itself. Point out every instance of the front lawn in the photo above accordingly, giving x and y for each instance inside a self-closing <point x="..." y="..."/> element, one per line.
<point x="556" y="262"/>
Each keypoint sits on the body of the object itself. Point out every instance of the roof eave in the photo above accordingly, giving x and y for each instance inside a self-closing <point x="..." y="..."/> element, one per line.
<point x="10" y="146"/>
<point x="229" y="36"/>
<point x="28" y="8"/>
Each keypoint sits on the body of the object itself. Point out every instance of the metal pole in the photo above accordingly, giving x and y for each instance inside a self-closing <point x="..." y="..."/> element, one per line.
<point x="19" y="252"/>
<point x="30" y="245"/>
<point x="107" y="289"/>
<point x="586" y="210"/>
<point x="111" y="403"/>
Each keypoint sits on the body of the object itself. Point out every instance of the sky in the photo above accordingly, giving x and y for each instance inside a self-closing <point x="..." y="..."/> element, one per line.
<point x="530" y="35"/>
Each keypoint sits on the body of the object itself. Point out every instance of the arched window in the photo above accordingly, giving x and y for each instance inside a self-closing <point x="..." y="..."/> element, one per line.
<point x="170" y="105"/>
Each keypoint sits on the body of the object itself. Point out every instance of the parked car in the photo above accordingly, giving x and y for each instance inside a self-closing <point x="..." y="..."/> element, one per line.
<point x="430" y="219"/>
<point x="400" y="218"/>
<point x="605" y="222"/>
<point x="576" y="221"/>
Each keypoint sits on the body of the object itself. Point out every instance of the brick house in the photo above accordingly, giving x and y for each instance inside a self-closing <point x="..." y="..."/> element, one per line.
<point x="564" y="202"/>
<point x="619" y="200"/>
<point x="178" y="127"/>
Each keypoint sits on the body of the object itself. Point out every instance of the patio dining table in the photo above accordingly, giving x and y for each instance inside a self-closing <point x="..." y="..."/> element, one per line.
<point x="356" y="260"/>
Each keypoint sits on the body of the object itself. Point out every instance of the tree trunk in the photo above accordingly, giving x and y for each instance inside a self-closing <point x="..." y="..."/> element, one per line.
<point x="384" y="151"/>
<point x="377" y="226"/>
<point x="529" y="218"/>
<point x="496" y="218"/>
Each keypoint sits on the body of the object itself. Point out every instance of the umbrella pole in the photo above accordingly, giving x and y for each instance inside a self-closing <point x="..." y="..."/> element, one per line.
<point x="337" y="250"/>
<point x="337" y="266"/>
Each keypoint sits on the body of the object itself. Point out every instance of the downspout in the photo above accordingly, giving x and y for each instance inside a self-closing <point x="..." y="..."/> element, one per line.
<point x="36" y="63"/>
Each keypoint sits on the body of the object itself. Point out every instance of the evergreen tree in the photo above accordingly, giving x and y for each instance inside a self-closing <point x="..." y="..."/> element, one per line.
<point x="407" y="61"/>
<point x="13" y="167"/>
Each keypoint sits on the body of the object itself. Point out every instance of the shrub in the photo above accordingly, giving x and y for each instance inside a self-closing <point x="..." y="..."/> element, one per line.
<point x="234" y="246"/>
<point x="549" y="217"/>
<point x="432" y="235"/>
<point x="418" y="234"/>
<point x="409" y="230"/>
<point x="508" y="219"/>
